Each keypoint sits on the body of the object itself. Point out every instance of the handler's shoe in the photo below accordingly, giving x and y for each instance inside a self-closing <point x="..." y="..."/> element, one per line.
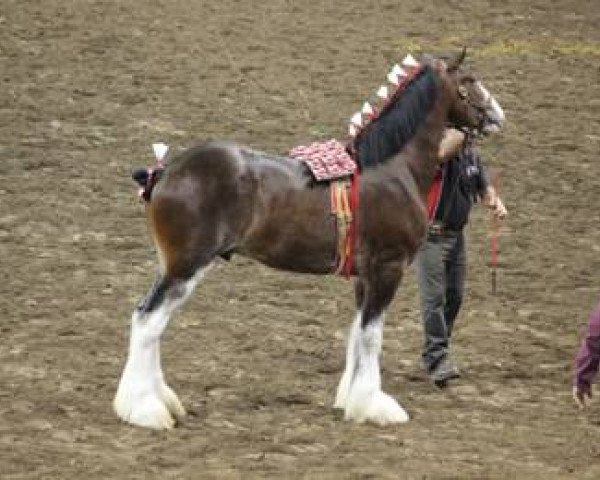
<point x="443" y="372"/>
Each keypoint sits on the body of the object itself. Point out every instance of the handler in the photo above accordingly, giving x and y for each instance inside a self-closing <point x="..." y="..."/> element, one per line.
<point x="587" y="361"/>
<point x="441" y="262"/>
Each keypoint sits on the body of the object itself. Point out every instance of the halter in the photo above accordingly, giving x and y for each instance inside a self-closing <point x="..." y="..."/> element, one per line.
<point x="480" y="108"/>
<point x="483" y="108"/>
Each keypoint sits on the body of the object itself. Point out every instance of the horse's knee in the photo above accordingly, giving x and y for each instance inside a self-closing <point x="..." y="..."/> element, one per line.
<point x="378" y="292"/>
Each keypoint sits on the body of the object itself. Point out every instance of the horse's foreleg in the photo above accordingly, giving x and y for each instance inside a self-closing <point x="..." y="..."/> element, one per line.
<point x="143" y="398"/>
<point x="351" y="351"/>
<point x="351" y="364"/>
<point x="365" y="401"/>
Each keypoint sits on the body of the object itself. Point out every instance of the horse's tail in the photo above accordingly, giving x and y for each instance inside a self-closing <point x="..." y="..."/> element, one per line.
<point x="146" y="178"/>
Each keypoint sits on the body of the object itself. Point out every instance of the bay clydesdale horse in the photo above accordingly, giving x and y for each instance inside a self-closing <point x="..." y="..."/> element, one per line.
<point x="220" y="199"/>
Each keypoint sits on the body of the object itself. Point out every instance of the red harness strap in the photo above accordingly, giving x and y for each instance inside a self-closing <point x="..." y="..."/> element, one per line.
<point x="334" y="161"/>
<point x="346" y="268"/>
<point x="434" y="194"/>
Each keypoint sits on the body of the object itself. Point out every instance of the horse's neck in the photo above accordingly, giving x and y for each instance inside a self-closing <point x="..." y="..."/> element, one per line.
<point x="423" y="149"/>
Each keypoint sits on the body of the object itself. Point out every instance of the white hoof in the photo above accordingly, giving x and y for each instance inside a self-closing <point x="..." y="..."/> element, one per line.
<point x="148" y="411"/>
<point x="376" y="407"/>
<point x="150" y="408"/>
<point x="172" y="402"/>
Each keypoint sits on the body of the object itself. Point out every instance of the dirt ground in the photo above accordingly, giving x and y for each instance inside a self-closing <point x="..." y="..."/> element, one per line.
<point x="88" y="85"/>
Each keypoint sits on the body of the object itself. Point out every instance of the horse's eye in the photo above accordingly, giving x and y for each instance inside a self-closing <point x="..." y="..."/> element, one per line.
<point x="463" y="91"/>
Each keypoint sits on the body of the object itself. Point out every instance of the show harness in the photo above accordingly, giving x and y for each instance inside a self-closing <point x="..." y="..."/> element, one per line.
<point x="330" y="161"/>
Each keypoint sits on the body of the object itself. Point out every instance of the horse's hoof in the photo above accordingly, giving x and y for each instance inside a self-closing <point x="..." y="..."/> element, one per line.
<point x="384" y="410"/>
<point x="148" y="412"/>
<point x="378" y="408"/>
<point x="172" y="402"/>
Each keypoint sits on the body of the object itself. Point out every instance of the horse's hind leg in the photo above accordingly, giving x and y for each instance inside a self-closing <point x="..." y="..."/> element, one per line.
<point x="360" y="391"/>
<point x="143" y="398"/>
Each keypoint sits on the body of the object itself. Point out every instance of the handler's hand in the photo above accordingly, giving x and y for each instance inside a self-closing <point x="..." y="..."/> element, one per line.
<point x="494" y="203"/>
<point x="499" y="209"/>
<point x="451" y="143"/>
<point x="582" y="395"/>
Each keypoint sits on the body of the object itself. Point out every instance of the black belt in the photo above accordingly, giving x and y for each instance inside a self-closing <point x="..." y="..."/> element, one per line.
<point x="438" y="228"/>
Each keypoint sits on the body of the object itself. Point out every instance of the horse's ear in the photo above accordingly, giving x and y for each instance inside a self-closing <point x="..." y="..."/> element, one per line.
<point x="457" y="61"/>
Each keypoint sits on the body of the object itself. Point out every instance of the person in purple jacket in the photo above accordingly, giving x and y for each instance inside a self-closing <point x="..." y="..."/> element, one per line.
<point x="587" y="361"/>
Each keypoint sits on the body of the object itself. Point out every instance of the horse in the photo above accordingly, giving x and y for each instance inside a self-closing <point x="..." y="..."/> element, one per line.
<point x="220" y="198"/>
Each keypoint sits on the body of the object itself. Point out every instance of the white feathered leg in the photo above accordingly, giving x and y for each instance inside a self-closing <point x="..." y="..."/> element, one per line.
<point x="366" y="401"/>
<point x="351" y="364"/>
<point x="142" y="393"/>
<point x="143" y="398"/>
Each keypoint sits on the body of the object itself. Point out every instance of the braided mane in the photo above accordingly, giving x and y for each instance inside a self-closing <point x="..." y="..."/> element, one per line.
<point x="398" y="121"/>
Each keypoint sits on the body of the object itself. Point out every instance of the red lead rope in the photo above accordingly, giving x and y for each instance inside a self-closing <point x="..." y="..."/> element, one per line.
<point x="494" y="239"/>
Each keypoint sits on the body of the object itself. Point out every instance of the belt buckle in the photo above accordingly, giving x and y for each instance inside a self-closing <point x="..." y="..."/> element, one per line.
<point x="436" y="229"/>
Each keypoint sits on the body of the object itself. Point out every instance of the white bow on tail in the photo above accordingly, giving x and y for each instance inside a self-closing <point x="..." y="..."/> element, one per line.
<point x="160" y="151"/>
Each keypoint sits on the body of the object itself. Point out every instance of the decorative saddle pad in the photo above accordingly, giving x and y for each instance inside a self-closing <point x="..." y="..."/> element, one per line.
<point x="326" y="160"/>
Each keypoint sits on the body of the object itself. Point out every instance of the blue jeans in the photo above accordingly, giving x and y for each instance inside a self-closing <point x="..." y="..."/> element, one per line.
<point x="441" y="267"/>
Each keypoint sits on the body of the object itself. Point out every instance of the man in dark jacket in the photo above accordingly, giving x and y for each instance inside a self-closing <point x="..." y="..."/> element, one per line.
<point x="441" y="263"/>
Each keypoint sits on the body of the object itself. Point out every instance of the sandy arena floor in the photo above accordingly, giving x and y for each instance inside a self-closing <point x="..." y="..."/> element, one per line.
<point x="88" y="85"/>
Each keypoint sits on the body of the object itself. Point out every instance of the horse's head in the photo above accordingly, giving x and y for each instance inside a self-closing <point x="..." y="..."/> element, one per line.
<point x="472" y="106"/>
<point x="439" y="86"/>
